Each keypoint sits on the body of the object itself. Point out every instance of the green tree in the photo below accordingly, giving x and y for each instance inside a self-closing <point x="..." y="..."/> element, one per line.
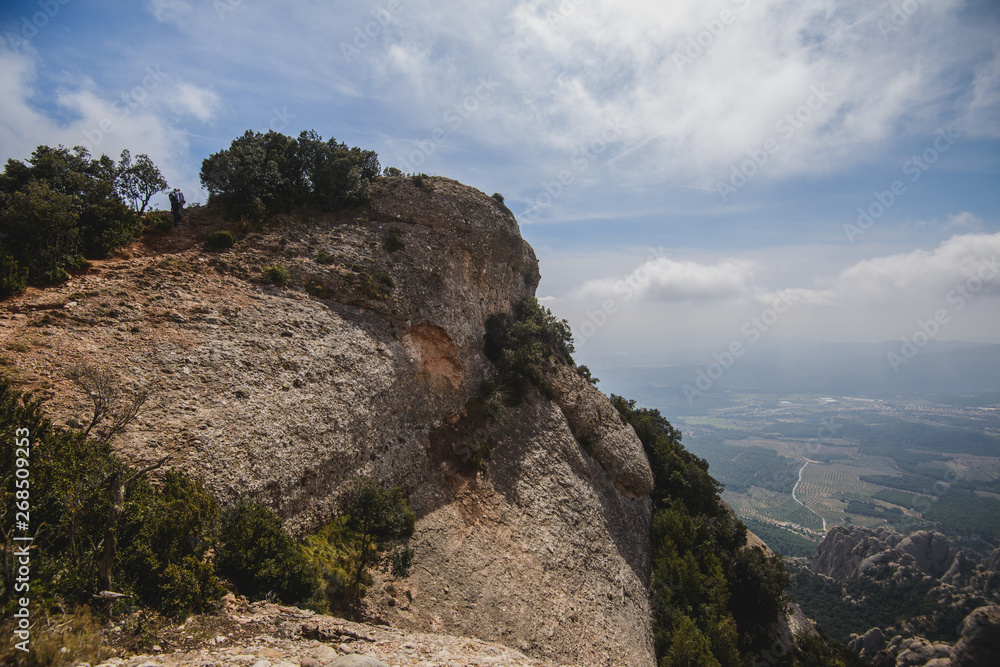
<point x="62" y="206"/>
<point x="689" y="647"/>
<point x="13" y="278"/>
<point x="266" y="173"/>
<point x="259" y="557"/>
<point x="380" y="517"/>
<point x="169" y="532"/>
<point x="42" y="229"/>
<point x="520" y="345"/>
<point x="138" y="181"/>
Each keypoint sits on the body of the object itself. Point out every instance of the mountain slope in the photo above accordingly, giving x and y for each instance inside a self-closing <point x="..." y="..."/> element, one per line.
<point x="364" y="363"/>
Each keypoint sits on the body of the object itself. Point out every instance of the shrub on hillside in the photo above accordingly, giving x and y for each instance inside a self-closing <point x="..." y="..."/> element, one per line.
<point x="13" y="278"/>
<point x="371" y="533"/>
<point x="220" y="240"/>
<point x="276" y="274"/>
<point x="63" y="205"/>
<point x="260" y="174"/>
<point x="169" y="532"/>
<point x="259" y="557"/>
<point x="519" y="345"/>
<point x="392" y="242"/>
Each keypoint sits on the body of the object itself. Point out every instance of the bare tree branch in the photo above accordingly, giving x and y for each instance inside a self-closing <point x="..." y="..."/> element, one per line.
<point x="109" y="404"/>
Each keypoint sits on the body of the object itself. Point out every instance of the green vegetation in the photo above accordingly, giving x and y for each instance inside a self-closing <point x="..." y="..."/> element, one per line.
<point x="855" y="604"/>
<point x="893" y="436"/>
<point x="744" y="467"/>
<point x="372" y="534"/>
<point x="873" y="510"/>
<point x="965" y="512"/>
<point x="259" y="557"/>
<point x="378" y="285"/>
<point x="63" y="206"/>
<point x="822" y="651"/>
<point x="13" y="278"/>
<point x="520" y="345"/>
<point x="220" y="240"/>
<point x="780" y="540"/>
<point x="498" y="198"/>
<point x="714" y="598"/>
<point x="98" y="524"/>
<point x="261" y="174"/>
<point x="393" y="241"/>
<point x="87" y="507"/>
<point x="276" y="274"/>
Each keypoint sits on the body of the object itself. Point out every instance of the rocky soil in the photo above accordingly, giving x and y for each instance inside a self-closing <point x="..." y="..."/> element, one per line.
<point x="262" y="634"/>
<point x="362" y="363"/>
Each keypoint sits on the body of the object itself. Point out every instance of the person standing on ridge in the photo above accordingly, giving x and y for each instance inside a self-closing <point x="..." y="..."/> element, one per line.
<point x="176" y="198"/>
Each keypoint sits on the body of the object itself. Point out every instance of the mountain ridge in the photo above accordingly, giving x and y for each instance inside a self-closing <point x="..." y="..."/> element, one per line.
<point x="282" y="385"/>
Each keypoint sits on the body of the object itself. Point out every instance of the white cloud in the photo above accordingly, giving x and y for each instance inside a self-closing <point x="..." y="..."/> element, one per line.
<point x="921" y="273"/>
<point x="982" y="113"/>
<point x="202" y="103"/>
<point x="964" y="221"/>
<point x="917" y="275"/>
<point x="168" y="11"/>
<point x="671" y="281"/>
<point x="705" y="91"/>
<point x="144" y="119"/>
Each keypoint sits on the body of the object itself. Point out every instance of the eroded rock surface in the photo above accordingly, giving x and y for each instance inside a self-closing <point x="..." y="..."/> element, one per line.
<point x="362" y="365"/>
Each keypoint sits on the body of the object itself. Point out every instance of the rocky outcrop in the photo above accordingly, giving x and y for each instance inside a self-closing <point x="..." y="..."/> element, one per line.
<point x="980" y="642"/>
<point x="844" y="549"/>
<point x="854" y="551"/>
<point x="930" y="551"/>
<point x="949" y="580"/>
<point x="262" y="634"/>
<point x="363" y="364"/>
<point x="595" y="424"/>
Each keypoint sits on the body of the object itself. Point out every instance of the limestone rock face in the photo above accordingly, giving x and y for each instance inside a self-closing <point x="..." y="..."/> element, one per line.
<point x="595" y="423"/>
<point x="363" y="365"/>
<point x="843" y="550"/>
<point x="930" y="550"/>
<point x="980" y="642"/>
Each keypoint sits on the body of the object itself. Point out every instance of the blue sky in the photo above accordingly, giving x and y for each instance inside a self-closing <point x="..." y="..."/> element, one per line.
<point x="680" y="168"/>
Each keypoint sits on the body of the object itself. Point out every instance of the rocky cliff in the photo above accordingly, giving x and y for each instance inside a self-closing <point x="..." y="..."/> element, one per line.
<point x="362" y="363"/>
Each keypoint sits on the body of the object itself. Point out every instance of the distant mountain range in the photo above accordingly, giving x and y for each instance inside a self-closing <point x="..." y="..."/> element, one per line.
<point x="940" y="369"/>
